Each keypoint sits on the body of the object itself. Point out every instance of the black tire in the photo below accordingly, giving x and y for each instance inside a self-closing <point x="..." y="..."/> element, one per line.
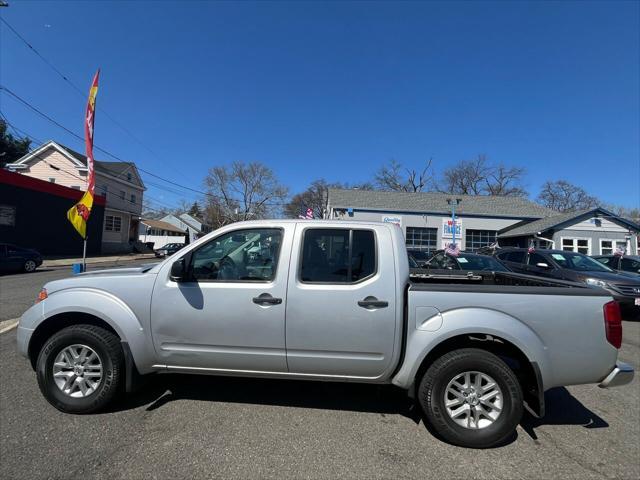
<point x="106" y="345"/>
<point x="431" y="395"/>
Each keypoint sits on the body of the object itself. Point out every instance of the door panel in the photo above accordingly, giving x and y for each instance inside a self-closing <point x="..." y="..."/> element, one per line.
<point x="328" y="331"/>
<point x="213" y="321"/>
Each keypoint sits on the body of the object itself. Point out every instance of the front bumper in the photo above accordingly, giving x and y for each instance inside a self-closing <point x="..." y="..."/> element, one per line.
<point x="620" y="375"/>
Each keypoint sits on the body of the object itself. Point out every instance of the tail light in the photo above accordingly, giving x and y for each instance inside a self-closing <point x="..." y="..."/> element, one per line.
<point x="613" y="323"/>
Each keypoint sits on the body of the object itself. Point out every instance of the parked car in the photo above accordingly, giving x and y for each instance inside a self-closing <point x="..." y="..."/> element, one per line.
<point x="626" y="263"/>
<point x="465" y="261"/>
<point x="471" y="355"/>
<point x="421" y="256"/>
<point x="16" y="259"/>
<point x="168" y="250"/>
<point x="567" y="265"/>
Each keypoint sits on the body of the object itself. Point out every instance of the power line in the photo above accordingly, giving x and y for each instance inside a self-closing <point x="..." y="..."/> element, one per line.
<point x="75" y="87"/>
<point x="106" y="152"/>
<point x="105" y="188"/>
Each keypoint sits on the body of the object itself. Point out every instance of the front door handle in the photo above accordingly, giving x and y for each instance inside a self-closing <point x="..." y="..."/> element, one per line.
<point x="372" y="302"/>
<point x="266" y="299"/>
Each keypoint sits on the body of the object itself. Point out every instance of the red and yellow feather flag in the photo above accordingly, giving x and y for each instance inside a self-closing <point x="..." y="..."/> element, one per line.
<point x="78" y="215"/>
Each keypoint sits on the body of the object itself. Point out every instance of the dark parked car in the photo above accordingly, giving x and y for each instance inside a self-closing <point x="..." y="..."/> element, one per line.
<point x="573" y="266"/>
<point x="465" y="261"/>
<point x="168" y="250"/>
<point x="17" y="259"/>
<point x="420" y="256"/>
<point x="627" y="263"/>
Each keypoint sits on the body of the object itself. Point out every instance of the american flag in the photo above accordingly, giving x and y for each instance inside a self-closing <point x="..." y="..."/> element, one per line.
<point x="452" y="249"/>
<point x="307" y="214"/>
<point x="620" y="251"/>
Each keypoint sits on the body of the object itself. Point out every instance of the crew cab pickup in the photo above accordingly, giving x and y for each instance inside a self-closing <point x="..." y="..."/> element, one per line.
<point x="325" y="300"/>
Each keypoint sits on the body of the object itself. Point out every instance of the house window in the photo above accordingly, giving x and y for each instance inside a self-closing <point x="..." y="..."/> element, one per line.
<point x="475" y="239"/>
<point x="419" y="238"/>
<point x="608" y="247"/>
<point x="129" y="176"/>
<point x="122" y="194"/>
<point x="112" y="223"/>
<point x="52" y="179"/>
<point x="103" y="191"/>
<point x="580" y="245"/>
<point x="133" y="198"/>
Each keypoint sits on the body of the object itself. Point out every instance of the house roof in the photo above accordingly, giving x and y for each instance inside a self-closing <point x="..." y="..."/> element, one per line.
<point x="436" y="203"/>
<point x="114" y="169"/>
<point x="159" y="224"/>
<point x="560" y="220"/>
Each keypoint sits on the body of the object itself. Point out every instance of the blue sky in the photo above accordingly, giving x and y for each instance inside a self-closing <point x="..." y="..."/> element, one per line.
<point x="335" y="89"/>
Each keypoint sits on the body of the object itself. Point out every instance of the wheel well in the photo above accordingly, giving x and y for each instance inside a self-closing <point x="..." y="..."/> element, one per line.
<point x="54" y="324"/>
<point x="527" y="372"/>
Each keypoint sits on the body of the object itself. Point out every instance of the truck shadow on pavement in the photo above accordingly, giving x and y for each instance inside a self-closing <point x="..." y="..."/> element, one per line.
<point x="562" y="408"/>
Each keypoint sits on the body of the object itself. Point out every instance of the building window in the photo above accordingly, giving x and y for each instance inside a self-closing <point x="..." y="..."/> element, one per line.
<point x="103" y="191"/>
<point x="129" y="176"/>
<point x="580" y="245"/>
<point x="122" y="194"/>
<point x="52" y="179"/>
<point x="133" y="198"/>
<point x="608" y="247"/>
<point x="475" y="239"/>
<point x="425" y="239"/>
<point x="112" y="223"/>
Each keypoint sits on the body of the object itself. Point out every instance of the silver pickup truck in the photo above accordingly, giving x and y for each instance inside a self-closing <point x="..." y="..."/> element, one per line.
<point x="324" y="300"/>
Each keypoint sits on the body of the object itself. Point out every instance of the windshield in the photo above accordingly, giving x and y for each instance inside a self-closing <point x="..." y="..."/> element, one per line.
<point x="412" y="262"/>
<point x="480" y="262"/>
<point x="579" y="262"/>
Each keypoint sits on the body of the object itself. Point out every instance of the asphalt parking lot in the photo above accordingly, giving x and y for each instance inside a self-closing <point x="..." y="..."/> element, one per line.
<point x="211" y="427"/>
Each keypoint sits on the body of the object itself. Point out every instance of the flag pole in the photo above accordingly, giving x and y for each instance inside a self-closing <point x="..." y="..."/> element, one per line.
<point x="84" y="255"/>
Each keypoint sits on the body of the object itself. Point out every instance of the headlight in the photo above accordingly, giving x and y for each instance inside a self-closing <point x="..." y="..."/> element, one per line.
<point x="595" y="282"/>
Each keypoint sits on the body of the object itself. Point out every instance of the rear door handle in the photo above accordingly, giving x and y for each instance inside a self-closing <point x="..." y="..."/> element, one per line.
<point x="266" y="299"/>
<point x="372" y="302"/>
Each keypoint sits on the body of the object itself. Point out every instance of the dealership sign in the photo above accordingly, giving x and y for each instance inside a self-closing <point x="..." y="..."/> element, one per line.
<point x="392" y="219"/>
<point x="447" y="228"/>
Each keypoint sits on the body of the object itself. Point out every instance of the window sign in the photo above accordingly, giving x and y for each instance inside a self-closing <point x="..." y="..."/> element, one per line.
<point x="447" y="228"/>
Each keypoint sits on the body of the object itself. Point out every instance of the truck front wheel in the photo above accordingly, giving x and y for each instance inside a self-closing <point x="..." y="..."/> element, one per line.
<point x="80" y="369"/>
<point x="471" y="398"/>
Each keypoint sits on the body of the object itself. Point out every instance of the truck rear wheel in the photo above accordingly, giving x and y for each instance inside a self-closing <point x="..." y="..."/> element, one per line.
<point x="80" y="369"/>
<point x="471" y="398"/>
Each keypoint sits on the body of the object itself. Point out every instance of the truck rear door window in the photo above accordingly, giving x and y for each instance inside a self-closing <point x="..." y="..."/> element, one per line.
<point x="337" y="255"/>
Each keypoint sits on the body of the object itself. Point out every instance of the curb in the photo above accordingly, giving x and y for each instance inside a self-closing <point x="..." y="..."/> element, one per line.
<point x="7" y="325"/>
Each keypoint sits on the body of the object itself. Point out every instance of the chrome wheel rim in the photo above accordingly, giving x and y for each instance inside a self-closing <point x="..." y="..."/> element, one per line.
<point x="30" y="266"/>
<point x="77" y="371"/>
<point x="473" y="400"/>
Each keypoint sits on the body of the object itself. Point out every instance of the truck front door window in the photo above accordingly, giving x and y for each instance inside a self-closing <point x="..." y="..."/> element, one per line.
<point x="246" y="255"/>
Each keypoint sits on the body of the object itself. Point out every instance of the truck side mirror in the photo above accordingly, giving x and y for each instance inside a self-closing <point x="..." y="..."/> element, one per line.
<point x="178" y="271"/>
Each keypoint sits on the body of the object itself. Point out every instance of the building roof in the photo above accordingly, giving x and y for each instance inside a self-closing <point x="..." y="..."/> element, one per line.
<point x="436" y="203"/>
<point x="160" y="225"/>
<point x="560" y="220"/>
<point x="114" y="169"/>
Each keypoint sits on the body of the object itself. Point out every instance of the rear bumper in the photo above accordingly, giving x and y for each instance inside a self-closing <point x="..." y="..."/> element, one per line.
<point x="620" y="375"/>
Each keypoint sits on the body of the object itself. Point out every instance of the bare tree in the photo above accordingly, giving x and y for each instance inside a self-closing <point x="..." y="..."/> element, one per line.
<point x="316" y="197"/>
<point x="565" y="197"/>
<point x="242" y="191"/>
<point x="394" y="177"/>
<point x="479" y="177"/>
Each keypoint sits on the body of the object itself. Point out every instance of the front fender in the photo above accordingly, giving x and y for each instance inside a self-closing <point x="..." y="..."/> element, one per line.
<point x="457" y="322"/>
<point x="106" y="307"/>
